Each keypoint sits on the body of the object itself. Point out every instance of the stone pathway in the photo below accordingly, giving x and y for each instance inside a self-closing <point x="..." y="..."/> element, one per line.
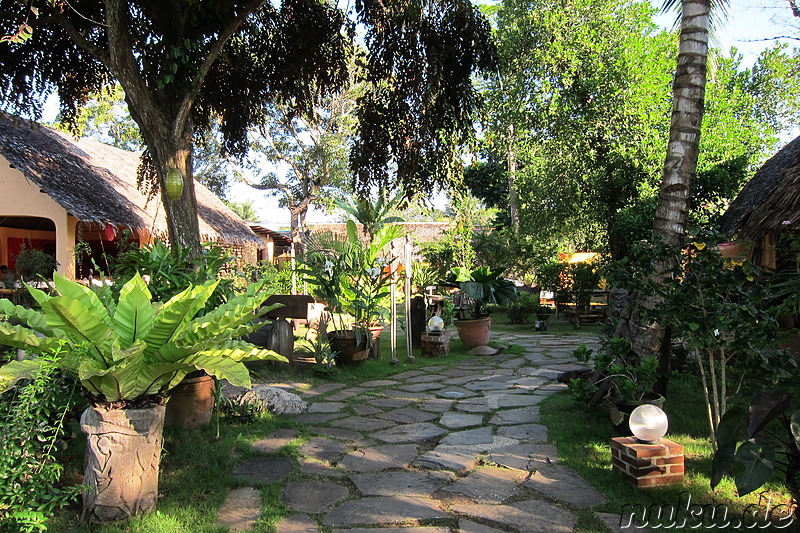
<point x="434" y="450"/>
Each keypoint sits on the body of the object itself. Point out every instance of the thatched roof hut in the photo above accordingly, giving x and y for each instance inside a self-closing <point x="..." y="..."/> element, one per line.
<point x="770" y="202"/>
<point x="96" y="183"/>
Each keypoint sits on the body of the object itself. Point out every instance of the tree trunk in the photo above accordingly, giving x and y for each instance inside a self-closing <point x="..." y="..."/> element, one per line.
<point x="513" y="206"/>
<point x="680" y="165"/>
<point x="181" y="213"/>
<point x="298" y="224"/>
<point x="123" y="456"/>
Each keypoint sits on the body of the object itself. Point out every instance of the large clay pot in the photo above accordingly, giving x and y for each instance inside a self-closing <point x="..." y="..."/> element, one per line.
<point x="348" y="353"/>
<point x="123" y="455"/>
<point x="620" y="411"/>
<point x="191" y="403"/>
<point x="474" y="332"/>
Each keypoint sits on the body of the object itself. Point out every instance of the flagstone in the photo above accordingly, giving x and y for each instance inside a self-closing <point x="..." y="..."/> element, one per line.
<point x="384" y="510"/>
<point x="241" y="509"/>
<point x="379" y="383"/>
<point x="562" y="483"/>
<point x="410" y="433"/>
<point x="459" y="461"/>
<point x="323" y="449"/>
<point x="377" y="458"/>
<point x="314" y="496"/>
<point x="412" y="484"/>
<point x="528" y="432"/>
<point x="525" y="456"/>
<point x="297" y="524"/>
<point x="362" y="423"/>
<point x="315" y="468"/>
<point x="489" y="484"/>
<point x="530" y="516"/>
<point x="264" y="469"/>
<point x="275" y="441"/>
<point x="515" y="416"/>
<point x="456" y="420"/>
<point x="326" y="407"/>
<point x="317" y="418"/>
<point x="439" y="405"/>
<point x="407" y="415"/>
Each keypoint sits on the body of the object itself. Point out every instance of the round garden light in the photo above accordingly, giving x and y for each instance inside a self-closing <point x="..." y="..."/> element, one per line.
<point x="435" y="324"/>
<point x="648" y="423"/>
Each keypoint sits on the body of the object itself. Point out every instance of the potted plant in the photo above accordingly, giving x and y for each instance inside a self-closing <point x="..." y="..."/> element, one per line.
<point x="620" y="379"/>
<point x="353" y="279"/>
<point x="127" y="353"/>
<point x="479" y="288"/>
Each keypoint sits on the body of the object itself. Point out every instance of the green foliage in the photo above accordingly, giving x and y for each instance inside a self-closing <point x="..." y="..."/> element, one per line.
<point x="322" y="353"/>
<point x="482" y="286"/>
<point x="31" y="426"/>
<point x="276" y="279"/>
<point x="351" y="276"/>
<point x="520" y="310"/>
<point x="170" y="271"/>
<point x="133" y="348"/>
<point x="617" y="371"/>
<point x="752" y="443"/>
<point x="32" y="264"/>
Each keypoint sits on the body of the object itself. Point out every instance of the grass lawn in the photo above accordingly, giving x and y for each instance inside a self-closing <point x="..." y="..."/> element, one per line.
<point x="582" y="436"/>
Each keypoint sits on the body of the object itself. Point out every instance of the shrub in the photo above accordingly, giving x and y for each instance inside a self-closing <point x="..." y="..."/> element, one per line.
<point x="32" y="419"/>
<point x="522" y="308"/>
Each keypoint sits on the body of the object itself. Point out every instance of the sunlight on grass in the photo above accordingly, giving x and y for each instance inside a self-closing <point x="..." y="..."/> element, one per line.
<point x="582" y="436"/>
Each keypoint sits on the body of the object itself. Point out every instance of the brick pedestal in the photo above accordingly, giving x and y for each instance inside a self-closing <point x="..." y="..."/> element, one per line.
<point x="435" y="345"/>
<point x="648" y="465"/>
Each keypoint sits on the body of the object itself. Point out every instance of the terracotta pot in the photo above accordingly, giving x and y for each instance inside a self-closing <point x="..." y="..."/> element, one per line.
<point x="620" y="411"/>
<point x="474" y="332"/>
<point x="191" y="403"/>
<point x="123" y="456"/>
<point x="348" y="353"/>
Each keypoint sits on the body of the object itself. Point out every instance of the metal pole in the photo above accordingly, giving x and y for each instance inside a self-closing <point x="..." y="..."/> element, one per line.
<point x="393" y="308"/>
<point x="407" y="261"/>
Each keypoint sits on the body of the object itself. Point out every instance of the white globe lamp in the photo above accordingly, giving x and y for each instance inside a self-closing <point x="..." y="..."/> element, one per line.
<point x="648" y="423"/>
<point x="435" y="324"/>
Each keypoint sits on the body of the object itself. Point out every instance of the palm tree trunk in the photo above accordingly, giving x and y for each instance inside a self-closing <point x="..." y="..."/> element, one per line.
<point x="680" y="165"/>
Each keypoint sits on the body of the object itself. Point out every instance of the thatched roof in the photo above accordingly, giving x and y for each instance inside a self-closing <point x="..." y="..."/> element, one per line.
<point x="770" y="201"/>
<point x="96" y="183"/>
<point x="420" y="232"/>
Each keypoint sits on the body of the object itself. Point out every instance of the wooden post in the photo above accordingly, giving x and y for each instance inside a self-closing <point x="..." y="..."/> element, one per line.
<point x="294" y="270"/>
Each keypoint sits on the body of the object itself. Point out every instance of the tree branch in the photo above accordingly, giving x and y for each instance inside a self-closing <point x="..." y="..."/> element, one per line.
<point x="96" y="52"/>
<point x="771" y="39"/>
<point x="185" y="107"/>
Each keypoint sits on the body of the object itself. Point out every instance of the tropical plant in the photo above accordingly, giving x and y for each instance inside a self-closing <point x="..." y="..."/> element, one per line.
<point x="373" y="216"/>
<point x="134" y="349"/>
<point x="170" y="271"/>
<point x="482" y="286"/>
<point x="618" y="374"/>
<point x="722" y="308"/>
<point x="32" y="264"/>
<point x="31" y="427"/>
<point x="351" y="276"/>
<point x="520" y="310"/>
<point x="752" y="443"/>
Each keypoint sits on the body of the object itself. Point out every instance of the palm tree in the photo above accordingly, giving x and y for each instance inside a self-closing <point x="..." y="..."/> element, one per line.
<point x="680" y="165"/>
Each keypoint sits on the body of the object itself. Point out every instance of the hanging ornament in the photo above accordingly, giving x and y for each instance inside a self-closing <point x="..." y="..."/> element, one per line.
<point x="174" y="184"/>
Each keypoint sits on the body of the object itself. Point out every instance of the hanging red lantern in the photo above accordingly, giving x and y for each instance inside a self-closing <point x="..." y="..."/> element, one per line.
<point x="109" y="232"/>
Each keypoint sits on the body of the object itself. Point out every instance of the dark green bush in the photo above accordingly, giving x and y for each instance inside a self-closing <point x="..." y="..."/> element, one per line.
<point x="520" y="310"/>
<point x="31" y="426"/>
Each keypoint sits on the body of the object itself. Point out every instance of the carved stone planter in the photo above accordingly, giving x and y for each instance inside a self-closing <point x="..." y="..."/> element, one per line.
<point x="123" y="456"/>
